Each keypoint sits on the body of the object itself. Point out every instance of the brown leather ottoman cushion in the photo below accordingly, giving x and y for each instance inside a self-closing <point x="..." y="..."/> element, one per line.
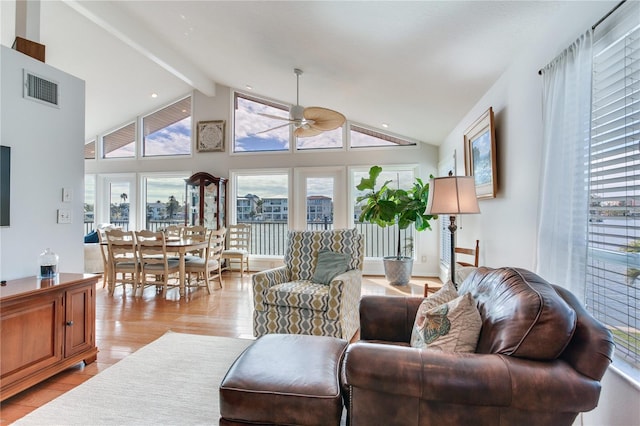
<point x="285" y="379"/>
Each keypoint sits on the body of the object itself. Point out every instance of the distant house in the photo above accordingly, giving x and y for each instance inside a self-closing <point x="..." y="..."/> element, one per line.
<point x="319" y="208"/>
<point x="275" y="209"/>
<point x="247" y="207"/>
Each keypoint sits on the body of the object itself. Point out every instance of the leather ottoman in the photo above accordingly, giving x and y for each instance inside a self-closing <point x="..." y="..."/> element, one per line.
<point x="285" y="379"/>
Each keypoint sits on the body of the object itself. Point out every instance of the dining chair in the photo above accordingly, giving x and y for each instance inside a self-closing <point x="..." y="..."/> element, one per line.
<point x="104" y="254"/>
<point x="123" y="265"/>
<point x="238" y="246"/>
<point x="195" y="233"/>
<point x="157" y="269"/>
<point x="209" y="265"/>
<point x="173" y="231"/>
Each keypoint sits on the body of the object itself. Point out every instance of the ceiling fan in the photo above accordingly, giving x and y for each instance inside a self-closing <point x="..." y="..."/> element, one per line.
<point x="309" y="121"/>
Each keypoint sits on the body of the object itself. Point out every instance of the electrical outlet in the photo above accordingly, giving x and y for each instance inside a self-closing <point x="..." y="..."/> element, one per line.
<point x="64" y="216"/>
<point x="423" y="259"/>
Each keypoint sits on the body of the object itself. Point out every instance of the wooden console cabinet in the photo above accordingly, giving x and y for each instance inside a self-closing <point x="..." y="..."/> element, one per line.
<point x="46" y="326"/>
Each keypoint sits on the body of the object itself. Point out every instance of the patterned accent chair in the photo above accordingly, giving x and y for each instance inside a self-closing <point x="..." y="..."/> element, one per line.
<point x="286" y="301"/>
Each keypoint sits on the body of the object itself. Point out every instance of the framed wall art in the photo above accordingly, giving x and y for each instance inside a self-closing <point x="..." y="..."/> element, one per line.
<point x="210" y="136"/>
<point x="480" y="155"/>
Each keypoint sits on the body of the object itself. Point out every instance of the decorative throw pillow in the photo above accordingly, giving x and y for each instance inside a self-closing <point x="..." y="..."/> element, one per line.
<point x="445" y="294"/>
<point x="451" y="327"/>
<point x="329" y="264"/>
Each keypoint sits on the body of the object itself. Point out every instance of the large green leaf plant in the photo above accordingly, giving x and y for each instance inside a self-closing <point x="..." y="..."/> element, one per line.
<point x="387" y="206"/>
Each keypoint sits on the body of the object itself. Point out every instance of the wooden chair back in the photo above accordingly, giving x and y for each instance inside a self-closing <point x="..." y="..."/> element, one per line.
<point x="474" y="252"/>
<point x="173" y="231"/>
<point x="238" y="246"/>
<point x="156" y="267"/>
<point x="122" y="254"/>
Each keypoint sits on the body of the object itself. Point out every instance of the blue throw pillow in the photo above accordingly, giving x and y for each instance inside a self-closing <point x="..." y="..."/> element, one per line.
<point x="330" y="264"/>
<point x="92" y="237"/>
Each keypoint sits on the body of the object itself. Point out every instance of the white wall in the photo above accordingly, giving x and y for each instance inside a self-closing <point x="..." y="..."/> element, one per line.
<point x="219" y="164"/>
<point x="507" y="224"/>
<point x="46" y="156"/>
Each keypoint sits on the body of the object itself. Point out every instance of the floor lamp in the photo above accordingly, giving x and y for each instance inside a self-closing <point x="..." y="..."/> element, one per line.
<point x="452" y="195"/>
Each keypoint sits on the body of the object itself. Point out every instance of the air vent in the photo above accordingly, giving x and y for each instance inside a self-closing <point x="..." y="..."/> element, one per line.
<point x="40" y="89"/>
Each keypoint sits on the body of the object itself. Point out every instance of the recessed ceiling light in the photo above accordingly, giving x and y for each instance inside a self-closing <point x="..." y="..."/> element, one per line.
<point x="385" y="125"/>
<point x="249" y="87"/>
<point x="154" y="95"/>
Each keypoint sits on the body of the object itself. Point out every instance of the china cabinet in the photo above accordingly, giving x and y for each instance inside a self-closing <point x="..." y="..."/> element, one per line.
<point x="206" y="201"/>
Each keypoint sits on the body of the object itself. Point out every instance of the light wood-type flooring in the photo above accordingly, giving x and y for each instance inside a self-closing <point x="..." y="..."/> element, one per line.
<point x="124" y="324"/>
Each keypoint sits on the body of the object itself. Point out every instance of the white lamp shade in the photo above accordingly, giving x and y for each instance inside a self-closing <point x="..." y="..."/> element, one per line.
<point x="452" y="195"/>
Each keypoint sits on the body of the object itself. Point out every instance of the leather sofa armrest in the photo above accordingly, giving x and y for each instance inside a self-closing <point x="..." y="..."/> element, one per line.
<point x="263" y="280"/>
<point x="388" y="318"/>
<point x="468" y="378"/>
<point x="457" y="378"/>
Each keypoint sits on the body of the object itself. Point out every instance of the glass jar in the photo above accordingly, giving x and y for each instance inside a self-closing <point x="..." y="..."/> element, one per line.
<point x="48" y="262"/>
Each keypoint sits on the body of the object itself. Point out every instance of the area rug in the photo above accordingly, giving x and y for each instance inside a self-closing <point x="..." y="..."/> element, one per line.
<point x="174" y="380"/>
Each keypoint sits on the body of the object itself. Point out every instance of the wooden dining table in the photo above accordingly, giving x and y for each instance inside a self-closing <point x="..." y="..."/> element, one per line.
<point x="181" y="246"/>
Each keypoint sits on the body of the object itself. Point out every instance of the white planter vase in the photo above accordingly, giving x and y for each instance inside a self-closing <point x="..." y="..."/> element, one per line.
<point x="398" y="271"/>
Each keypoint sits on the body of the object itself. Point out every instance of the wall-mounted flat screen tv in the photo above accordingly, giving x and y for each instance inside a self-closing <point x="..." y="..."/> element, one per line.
<point x="5" y="175"/>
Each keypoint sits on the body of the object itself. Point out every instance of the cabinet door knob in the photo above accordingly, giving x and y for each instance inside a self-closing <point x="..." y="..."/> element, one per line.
<point x="69" y="323"/>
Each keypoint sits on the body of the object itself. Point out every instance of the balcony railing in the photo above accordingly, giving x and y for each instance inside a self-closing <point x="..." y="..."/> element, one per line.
<point x="269" y="238"/>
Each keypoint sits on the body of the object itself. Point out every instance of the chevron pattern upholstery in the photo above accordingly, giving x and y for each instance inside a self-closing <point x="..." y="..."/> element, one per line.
<point x="286" y="301"/>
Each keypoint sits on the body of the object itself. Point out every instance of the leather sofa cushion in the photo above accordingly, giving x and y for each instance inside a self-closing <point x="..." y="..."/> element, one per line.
<point x="522" y="315"/>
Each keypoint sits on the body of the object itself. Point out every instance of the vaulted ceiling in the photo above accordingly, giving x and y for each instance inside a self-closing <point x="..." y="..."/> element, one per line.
<point x="418" y="66"/>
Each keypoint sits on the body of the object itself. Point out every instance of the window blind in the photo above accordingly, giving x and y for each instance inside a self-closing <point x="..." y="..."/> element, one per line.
<point x="613" y="260"/>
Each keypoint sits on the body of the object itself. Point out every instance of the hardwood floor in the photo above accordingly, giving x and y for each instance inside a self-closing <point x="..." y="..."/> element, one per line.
<point x="124" y="324"/>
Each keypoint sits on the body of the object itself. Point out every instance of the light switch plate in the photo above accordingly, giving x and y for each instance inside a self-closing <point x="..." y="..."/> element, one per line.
<point x="64" y="216"/>
<point x="67" y="195"/>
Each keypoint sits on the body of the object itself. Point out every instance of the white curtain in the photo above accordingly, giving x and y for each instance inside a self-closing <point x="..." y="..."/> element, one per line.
<point x="563" y="207"/>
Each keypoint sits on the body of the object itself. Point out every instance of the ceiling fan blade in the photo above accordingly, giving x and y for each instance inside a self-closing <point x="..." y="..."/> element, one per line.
<point x="276" y="117"/>
<point x="305" y="132"/>
<point x="324" y="119"/>
<point x="273" y="128"/>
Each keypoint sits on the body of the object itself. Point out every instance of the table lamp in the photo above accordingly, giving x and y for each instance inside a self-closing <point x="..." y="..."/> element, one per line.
<point x="452" y="195"/>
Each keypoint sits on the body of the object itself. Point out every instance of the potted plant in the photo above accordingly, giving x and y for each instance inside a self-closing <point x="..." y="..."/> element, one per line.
<point x="387" y="206"/>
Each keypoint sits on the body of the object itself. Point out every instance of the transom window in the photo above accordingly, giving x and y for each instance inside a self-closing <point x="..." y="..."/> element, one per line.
<point x="325" y="140"/>
<point x="90" y="150"/>
<point x="120" y="143"/>
<point x="361" y="137"/>
<point x="254" y="132"/>
<point x="168" y="131"/>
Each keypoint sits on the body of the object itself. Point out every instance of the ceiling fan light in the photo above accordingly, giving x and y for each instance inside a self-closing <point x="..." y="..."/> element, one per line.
<point x="296" y="112"/>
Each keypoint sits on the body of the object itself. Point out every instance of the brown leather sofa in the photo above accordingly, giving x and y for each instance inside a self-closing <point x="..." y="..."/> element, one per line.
<point x="539" y="359"/>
